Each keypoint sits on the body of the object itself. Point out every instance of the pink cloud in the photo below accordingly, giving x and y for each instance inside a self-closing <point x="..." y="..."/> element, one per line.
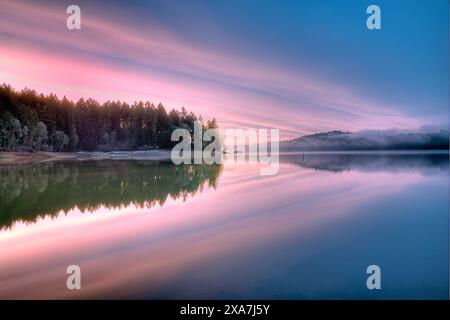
<point x="111" y="60"/>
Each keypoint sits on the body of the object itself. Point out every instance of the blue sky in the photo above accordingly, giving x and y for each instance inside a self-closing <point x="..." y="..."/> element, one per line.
<point x="405" y="62"/>
<point x="338" y="74"/>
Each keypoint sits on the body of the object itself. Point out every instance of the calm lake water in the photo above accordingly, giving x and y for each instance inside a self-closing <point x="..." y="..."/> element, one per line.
<point x="153" y="230"/>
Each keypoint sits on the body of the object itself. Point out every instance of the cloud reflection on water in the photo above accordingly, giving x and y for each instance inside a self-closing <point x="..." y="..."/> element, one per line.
<point x="230" y="241"/>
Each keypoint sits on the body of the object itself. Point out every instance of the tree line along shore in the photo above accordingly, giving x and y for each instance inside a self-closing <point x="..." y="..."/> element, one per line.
<point x="36" y="122"/>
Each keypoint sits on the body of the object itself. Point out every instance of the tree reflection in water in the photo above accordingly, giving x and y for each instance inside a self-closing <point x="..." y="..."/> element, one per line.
<point x="29" y="192"/>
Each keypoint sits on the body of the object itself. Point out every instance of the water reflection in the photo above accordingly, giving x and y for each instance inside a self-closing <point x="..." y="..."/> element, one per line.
<point x="29" y="192"/>
<point x="436" y="162"/>
<point x="308" y="232"/>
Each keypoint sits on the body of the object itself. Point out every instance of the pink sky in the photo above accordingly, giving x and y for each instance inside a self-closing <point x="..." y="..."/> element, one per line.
<point x="109" y="59"/>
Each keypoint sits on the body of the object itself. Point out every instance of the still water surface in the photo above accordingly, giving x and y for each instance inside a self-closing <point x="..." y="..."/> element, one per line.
<point x="151" y="230"/>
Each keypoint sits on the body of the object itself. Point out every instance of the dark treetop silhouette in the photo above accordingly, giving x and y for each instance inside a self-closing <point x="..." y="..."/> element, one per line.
<point x="33" y="122"/>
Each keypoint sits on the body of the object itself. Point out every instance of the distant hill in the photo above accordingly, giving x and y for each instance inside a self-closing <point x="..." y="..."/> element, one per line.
<point x="368" y="140"/>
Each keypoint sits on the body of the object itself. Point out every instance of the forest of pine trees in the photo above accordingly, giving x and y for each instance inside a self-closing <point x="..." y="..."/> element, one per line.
<point x="35" y="122"/>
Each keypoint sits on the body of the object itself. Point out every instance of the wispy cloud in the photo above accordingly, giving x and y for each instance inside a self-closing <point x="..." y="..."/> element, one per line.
<point x="115" y="59"/>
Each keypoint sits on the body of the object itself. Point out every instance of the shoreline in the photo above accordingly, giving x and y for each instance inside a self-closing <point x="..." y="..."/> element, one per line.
<point x="8" y="158"/>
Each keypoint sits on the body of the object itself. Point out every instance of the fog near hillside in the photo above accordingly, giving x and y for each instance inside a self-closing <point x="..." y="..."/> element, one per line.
<point x="422" y="139"/>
